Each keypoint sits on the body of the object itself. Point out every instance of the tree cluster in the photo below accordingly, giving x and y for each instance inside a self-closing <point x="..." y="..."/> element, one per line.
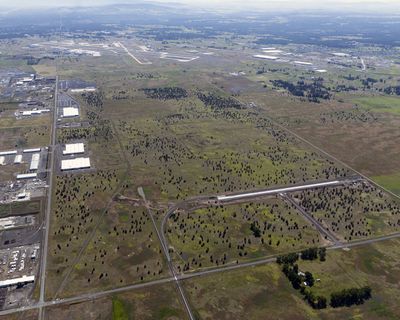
<point x="313" y="91"/>
<point x="167" y="93"/>
<point x="349" y="297"/>
<point x="217" y="102"/>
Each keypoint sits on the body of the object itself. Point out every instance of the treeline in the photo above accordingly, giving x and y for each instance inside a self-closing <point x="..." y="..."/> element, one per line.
<point x="393" y="90"/>
<point x="167" y="93"/>
<point x="306" y="254"/>
<point x="349" y="297"/>
<point x="313" y="91"/>
<point x="217" y="102"/>
<point x="304" y="281"/>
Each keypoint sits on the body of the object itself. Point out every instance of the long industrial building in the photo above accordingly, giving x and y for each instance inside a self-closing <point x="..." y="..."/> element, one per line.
<point x="74" y="148"/>
<point x="7" y="153"/>
<point x="17" y="281"/>
<point x="74" y="164"/>
<point x="35" y="161"/>
<point x="31" y="150"/>
<point x="26" y="176"/>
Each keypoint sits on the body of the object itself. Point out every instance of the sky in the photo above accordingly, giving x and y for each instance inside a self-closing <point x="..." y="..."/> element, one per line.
<point x="351" y="5"/>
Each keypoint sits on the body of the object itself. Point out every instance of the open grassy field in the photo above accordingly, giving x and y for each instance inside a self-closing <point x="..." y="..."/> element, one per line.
<point x="20" y="208"/>
<point x="337" y="127"/>
<point x="28" y="315"/>
<point x="79" y="203"/>
<point x="159" y="302"/>
<point x="23" y="137"/>
<point x="355" y="212"/>
<point x="124" y="250"/>
<point x="380" y="104"/>
<point x="391" y="182"/>
<point x="222" y="235"/>
<point x="260" y="292"/>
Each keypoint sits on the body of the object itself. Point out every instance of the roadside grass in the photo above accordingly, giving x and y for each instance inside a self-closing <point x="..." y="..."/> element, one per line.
<point x="160" y="302"/>
<point x="120" y="311"/>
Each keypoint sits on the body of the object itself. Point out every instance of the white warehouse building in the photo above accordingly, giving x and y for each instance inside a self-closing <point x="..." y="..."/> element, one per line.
<point x="74" y="148"/>
<point x="74" y="164"/>
<point x="70" y="112"/>
<point x="35" y="161"/>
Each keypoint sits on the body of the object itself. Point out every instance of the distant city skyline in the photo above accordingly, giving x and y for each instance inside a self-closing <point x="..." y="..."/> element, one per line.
<point x="280" y="5"/>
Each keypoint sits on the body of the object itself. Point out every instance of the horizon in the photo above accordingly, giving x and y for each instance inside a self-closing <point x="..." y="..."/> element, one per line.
<point x="351" y="6"/>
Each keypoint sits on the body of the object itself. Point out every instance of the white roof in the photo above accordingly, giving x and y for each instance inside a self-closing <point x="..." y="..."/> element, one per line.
<point x="77" y="163"/>
<point x="2" y="161"/>
<point x="13" y="282"/>
<point x="33" y="112"/>
<point x="31" y="150"/>
<point x="7" y="153"/>
<point x="74" y="148"/>
<point x="91" y="89"/>
<point x="18" y="158"/>
<point x="303" y="63"/>
<point x="35" y="161"/>
<point x="272" y="51"/>
<point x="26" y="176"/>
<point x="70" y="112"/>
<point x="263" y="56"/>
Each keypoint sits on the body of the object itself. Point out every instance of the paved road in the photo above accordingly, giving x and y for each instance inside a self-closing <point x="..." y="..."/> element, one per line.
<point x="329" y="235"/>
<point x="46" y="227"/>
<point x="164" y="240"/>
<point x="100" y="294"/>
<point x="166" y="253"/>
<point x="364" y="242"/>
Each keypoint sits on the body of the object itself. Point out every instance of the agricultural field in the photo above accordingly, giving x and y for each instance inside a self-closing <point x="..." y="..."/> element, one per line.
<point x="234" y="233"/>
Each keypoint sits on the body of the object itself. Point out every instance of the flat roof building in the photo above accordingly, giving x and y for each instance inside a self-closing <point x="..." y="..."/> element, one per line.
<point x="31" y="150"/>
<point x="74" y="148"/>
<point x="7" y="153"/>
<point x="35" y="161"/>
<point x="28" y="113"/>
<point x="70" y="112"/>
<point x="18" y="159"/>
<point x="74" y="164"/>
<point x="91" y="89"/>
<point x="26" y="176"/>
<point x="17" y="281"/>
